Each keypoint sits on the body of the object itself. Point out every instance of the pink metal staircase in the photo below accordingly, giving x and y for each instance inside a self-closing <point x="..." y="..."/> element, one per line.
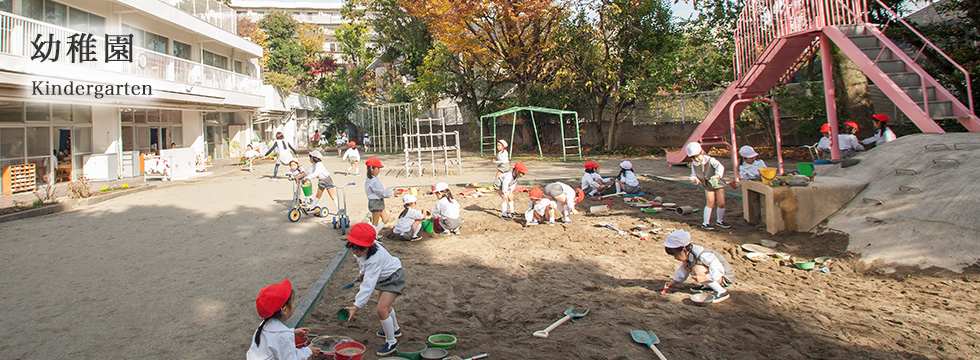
<point x="774" y="37"/>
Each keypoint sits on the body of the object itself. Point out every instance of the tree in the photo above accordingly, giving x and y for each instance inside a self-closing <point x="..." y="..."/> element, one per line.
<point x="311" y="39"/>
<point x="284" y="56"/>
<point x="250" y="30"/>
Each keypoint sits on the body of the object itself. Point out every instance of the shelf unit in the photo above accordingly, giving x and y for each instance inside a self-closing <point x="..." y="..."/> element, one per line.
<point x="18" y="178"/>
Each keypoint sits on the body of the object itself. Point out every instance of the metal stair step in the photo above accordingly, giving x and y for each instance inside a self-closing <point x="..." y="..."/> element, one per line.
<point x="853" y="30"/>
<point x="915" y="92"/>
<point x="865" y="41"/>
<point x="890" y="66"/>
<point x="873" y="54"/>
<point x="938" y="109"/>
<point x="905" y="79"/>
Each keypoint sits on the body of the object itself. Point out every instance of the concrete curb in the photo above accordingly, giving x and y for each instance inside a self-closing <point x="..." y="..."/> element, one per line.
<point x="69" y="204"/>
<point x="728" y="194"/>
<point x="305" y="305"/>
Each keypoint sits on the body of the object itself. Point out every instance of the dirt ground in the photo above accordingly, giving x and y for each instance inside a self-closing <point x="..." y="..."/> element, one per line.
<point x="500" y="281"/>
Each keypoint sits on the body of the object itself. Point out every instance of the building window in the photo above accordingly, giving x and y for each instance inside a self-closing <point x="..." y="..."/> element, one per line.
<point x="146" y="39"/>
<point x="7" y="5"/>
<point x="33" y="9"/>
<point x="85" y="22"/>
<point x="238" y="67"/>
<point x="182" y="50"/>
<point x="212" y="59"/>
<point x="55" y="13"/>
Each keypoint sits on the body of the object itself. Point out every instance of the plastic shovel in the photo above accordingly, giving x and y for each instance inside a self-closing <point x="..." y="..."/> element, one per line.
<point x="569" y="314"/>
<point x="648" y="339"/>
<point x="348" y="286"/>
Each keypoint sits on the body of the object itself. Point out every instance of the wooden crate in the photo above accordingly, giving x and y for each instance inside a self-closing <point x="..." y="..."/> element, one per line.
<point x="18" y="178"/>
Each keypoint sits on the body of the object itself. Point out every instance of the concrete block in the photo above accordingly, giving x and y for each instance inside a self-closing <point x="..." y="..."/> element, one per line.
<point x="797" y="208"/>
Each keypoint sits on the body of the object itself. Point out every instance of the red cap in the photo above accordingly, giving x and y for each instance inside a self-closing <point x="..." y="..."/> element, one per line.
<point x="535" y="193"/>
<point x="352" y="144"/>
<point x="272" y="298"/>
<point x="519" y="166"/>
<point x="362" y="234"/>
<point x="373" y="162"/>
<point x="881" y="118"/>
<point x="852" y="124"/>
<point x="591" y="165"/>
<point x="825" y="128"/>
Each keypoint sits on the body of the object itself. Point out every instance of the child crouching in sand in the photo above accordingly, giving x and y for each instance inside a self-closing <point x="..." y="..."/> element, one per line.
<point x="446" y="213"/>
<point x="709" y="268"/>
<point x="273" y="340"/>
<point x="539" y="209"/>
<point x="409" y="221"/>
<point x="380" y="271"/>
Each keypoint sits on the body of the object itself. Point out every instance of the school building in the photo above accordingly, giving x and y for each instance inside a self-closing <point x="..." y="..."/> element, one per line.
<point x="74" y="101"/>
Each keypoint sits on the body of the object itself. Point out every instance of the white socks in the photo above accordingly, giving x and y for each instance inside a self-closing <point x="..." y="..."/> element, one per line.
<point x="388" y="325"/>
<point x="618" y="188"/>
<point x="721" y="215"/>
<point x="417" y="229"/>
<point x="503" y="207"/>
<point x="377" y="228"/>
<point x="511" y="203"/>
<point x="394" y="320"/>
<point x="707" y="216"/>
<point x="714" y="285"/>
<point x="313" y="203"/>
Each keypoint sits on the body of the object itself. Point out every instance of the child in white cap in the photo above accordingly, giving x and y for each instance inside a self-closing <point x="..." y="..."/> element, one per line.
<point x="410" y="220"/>
<point x="749" y="169"/>
<point x="319" y="173"/>
<point x="502" y="161"/>
<point x="708" y="268"/>
<point x="626" y="181"/>
<point x="707" y="172"/>
<point x="446" y="213"/>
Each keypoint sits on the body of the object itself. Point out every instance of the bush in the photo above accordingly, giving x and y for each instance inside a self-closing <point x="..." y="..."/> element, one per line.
<point x="80" y="189"/>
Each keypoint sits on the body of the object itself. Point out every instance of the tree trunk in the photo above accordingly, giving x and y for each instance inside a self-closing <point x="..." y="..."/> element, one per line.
<point x="851" y="87"/>
<point x="611" y="139"/>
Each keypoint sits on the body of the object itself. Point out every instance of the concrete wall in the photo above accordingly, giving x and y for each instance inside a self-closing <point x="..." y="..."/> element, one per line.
<point x="105" y="130"/>
<point x="193" y="122"/>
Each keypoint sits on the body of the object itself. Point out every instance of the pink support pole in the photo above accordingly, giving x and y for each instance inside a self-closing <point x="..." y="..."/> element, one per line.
<point x="826" y="62"/>
<point x="779" y="137"/>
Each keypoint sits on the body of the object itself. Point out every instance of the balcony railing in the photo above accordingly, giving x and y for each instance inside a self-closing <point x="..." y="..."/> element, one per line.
<point x="212" y="11"/>
<point x="17" y="34"/>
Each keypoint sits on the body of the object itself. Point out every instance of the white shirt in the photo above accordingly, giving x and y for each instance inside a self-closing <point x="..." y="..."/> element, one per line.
<point x="502" y="157"/>
<point x="379" y="267"/>
<point x="849" y="142"/>
<point x="277" y="342"/>
<point x="540" y="207"/>
<point x="824" y="144"/>
<point x="404" y="224"/>
<point x="715" y="269"/>
<point x="446" y="209"/>
<point x="719" y="168"/>
<point x="507" y="181"/>
<point x="591" y="181"/>
<point x="375" y="191"/>
<point x="880" y="137"/>
<point x="629" y="178"/>
<point x="318" y="171"/>
<point x="750" y="171"/>
<point x="352" y="154"/>
<point x="251" y="153"/>
<point x="569" y="203"/>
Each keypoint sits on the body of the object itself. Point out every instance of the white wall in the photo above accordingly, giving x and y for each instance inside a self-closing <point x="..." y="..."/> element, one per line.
<point x="193" y="122"/>
<point x="105" y="130"/>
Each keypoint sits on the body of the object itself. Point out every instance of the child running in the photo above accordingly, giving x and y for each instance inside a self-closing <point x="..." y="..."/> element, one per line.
<point x="446" y="213"/>
<point x="273" y="340"/>
<point x="376" y="194"/>
<point x="626" y="181"/>
<point x="707" y="172"/>
<point x="409" y="221"/>
<point x="353" y="157"/>
<point x="505" y="185"/>
<point x="709" y="268"/>
<point x="380" y="271"/>
<point x="250" y="155"/>
<point x="539" y="208"/>
<point x="592" y="183"/>
<point x="564" y="196"/>
<point x="319" y="173"/>
<point x="502" y="161"/>
<point x="284" y="152"/>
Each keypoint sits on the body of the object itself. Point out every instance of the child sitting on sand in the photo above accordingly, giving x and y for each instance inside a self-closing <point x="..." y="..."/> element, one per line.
<point x="446" y="213"/>
<point x="250" y="155"/>
<point x="505" y="185"/>
<point x="626" y="181"/>
<point x="273" y="340"/>
<point x="409" y="221"/>
<point x="539" y="208"/>
<point x="592" y="183"/>
<point x="709" y="268"/>
<point x="380" y="271"/>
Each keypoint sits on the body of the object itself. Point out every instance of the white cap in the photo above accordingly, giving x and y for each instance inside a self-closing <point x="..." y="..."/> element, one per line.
<point x="747" y="152"/>
<point x="316" y="154"/>
<point x="441" y="186"/>
<point x="678" y="239"/>
<point x="502" y="142"/>
<point x="692" y="149"/>
<point x="626" y="165"/>
<point x="408" y="199"/>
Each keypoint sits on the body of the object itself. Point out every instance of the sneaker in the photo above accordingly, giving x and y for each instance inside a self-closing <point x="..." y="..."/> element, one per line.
<point x="532" y="222"/>
<point x="568" y="220"/>
<point x="446" y="232"/>
<point x="707" y="227"/>
<point x="552" y="223"/>
<point x="456" y="231"/>
<point x="387" y="349"/>
<point x="505" y="216"/>
<point x="719" y="297"/>
<point x="415" y="238"/>
<point x="700" y="288"/>
<point x="398" y="333"/>
<point x="723" y="225"/>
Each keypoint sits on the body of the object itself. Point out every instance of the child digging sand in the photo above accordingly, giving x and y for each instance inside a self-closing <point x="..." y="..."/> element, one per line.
<point x="380" y="271"/>
<point x="446" y="213"/>
<point x="409" y="221"/>
<point x="708" y="268"/>
<point x="539" y="209"/>
<point x="707" y="172"/>
<point x="273" y="340"/>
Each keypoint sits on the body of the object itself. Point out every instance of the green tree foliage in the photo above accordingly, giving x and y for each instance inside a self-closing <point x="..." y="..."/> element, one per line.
<point x="284" y="54"/>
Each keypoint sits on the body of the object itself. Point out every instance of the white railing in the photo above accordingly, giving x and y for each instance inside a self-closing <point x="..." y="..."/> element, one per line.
<point x="17" y="34"/>
<point x="212" y="11"/>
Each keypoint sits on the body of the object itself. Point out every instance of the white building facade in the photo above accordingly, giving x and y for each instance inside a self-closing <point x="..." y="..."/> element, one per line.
<point x="70" y="98"/>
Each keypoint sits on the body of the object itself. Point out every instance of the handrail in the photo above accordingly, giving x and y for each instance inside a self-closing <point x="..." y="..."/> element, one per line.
<point x="969" y="88"/>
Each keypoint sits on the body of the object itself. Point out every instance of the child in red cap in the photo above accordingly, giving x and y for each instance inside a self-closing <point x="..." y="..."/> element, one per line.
<point x="273" y="340"/>
<point x="376" y="194"/>
<point x="353" y="157"/>
<point x="380" y="271"/>
<point x="848" y="142"/>
<point x="594" y="184"/>
<point x="884" y="134"/>
<point x="505" y="185"/>
<point x="539" y="209"/>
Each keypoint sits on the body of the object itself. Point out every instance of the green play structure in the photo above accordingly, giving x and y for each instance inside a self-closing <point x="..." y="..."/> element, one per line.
<point x="488" y="143"/>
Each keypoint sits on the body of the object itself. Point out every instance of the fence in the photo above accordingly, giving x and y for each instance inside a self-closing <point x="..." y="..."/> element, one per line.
<point x="212" y="11"/>
<point x="676" y="108"/>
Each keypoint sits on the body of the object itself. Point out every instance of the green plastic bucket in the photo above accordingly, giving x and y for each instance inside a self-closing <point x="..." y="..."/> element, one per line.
<point x="427" y="226"/>
<point x="307" y="188"/>
<point x="806" y="169"/>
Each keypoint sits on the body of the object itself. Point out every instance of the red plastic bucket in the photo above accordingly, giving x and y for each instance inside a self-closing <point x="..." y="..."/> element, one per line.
<point x="348" y="350"/>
